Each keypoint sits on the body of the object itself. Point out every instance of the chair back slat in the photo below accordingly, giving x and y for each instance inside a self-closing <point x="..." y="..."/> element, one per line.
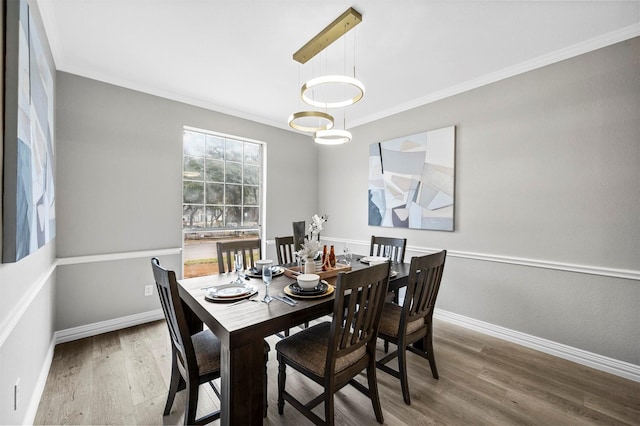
<point x="425" y="275"/>
<point x="358" y="305"/>
<point x="250" y="250"/>
<point x="176" y="321"/>
<point x="285" y="250"/>
<point x="393" y="248"/>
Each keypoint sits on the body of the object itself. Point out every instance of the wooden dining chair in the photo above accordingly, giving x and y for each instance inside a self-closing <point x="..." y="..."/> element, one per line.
<point x="285" y="250"/>
<point x="333" y="353"/>
<point x="299" y="233"/>
<point x="393" y="248"/>
<point x="251" y="251"/>
<point x="413" y="321"/>
<point x="195" y="358"/>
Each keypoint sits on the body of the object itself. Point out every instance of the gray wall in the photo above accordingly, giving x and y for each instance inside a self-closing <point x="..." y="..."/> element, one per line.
<point x="26" y="311"/>
<point x="119" y="179"/>
<point x="547" y="170"/>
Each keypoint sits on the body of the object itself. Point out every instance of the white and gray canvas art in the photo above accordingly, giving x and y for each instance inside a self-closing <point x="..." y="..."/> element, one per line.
<point x="29" y="222"/>
<point x="411" y="181"/>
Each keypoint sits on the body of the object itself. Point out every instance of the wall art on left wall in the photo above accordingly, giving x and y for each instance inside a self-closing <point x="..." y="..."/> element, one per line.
<point x="28" y="190"/>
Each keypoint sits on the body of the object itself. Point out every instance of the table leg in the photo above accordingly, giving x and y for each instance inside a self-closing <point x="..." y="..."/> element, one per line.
<point x="242" y="380"/>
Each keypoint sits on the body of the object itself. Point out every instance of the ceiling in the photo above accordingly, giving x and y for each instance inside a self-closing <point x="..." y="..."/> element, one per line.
<point x="235" y="56"/>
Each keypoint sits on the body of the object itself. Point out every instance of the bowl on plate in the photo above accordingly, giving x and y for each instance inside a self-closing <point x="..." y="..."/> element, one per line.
<point x="308" y="281"/>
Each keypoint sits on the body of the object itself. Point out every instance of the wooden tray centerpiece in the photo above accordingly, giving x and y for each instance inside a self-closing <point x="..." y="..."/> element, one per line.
<point x="329" y="273"/>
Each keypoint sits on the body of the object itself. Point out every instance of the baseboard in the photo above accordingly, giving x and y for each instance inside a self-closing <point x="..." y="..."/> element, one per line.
<point x="34" y="403"/>
<point x="599" y="362"/>
<point x="96" y="328"/>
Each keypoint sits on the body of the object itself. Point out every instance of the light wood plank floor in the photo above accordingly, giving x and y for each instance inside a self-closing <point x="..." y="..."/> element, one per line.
<point x="121" y="378"/>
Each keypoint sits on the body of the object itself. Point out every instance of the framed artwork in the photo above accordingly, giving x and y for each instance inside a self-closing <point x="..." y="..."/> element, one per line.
<point x="411" y="181"/>
<point x="28" y="163"/>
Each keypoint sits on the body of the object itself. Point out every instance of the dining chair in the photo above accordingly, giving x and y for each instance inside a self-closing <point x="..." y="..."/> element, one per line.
<point x="285" y="250"/>
<point x="393" y="248"/>
<point x="195" y="358"/>
<point x="251" y="251"/>
<point x="413" y="321"/>
<point x="333" y="353"/>
<point x="299" y="233"/>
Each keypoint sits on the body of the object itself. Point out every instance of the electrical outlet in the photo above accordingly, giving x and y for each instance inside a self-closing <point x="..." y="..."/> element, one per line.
<point x="148" y="290"/>
<point x="16" y="394"/>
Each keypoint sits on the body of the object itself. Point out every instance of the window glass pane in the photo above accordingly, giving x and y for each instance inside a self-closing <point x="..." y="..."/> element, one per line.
<point x="251" y="175"/>
<point x="250" y="195"/>
<point x="191" y="216"/>
<point x="252" y="153"/>
<point x="193" y="143"/>
<point x="233" y="173"/>
<point x="232" y="217"/>
<point x="215" y="171"/>
<point x="193" y="168"/>
<point x="215" y="147"/>
<point x="215" y="216"/>
<point x="233" y="151"/>
<point x="192" y="192"/>
<point x="233" y="194"/>
<point x="215" y="193"/>
<point x="251" y="216"/>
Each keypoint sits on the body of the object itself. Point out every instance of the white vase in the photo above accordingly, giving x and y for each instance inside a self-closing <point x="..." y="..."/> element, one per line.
<point x="309" y="266"/>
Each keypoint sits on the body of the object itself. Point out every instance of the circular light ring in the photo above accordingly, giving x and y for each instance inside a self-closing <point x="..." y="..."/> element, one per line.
<point x="332" y="137"/>
<point x="306" y="114"/>
<point x="332" y="79"/>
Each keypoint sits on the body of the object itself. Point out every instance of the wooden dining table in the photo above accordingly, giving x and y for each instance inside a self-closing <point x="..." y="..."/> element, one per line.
<point x="242" y="328"/>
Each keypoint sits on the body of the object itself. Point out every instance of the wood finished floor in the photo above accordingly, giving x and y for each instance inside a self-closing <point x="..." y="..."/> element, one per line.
<point x="121" y="378"/>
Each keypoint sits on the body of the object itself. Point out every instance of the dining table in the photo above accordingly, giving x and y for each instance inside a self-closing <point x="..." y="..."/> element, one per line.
<point x="242" y="327"/>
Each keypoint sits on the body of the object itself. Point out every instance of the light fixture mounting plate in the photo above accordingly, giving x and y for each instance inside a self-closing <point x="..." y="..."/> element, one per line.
<point x="339" y="27"/>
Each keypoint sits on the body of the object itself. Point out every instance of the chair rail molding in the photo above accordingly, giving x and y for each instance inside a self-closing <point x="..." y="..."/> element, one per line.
<point x="628" y="274"/>
<point x="14" y="317"/>
<point x="74" y="260"/>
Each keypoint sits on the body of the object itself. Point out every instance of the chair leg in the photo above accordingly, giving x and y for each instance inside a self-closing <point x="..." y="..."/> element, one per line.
<point x="329" y="411"/>
<point x="282" y="378"/>
<point x="386" y="346"/>
<point x="402" y="369"/>
<point x="428" y="344"/>
<point x="373" y="391"/>
<point x="192" y="402"/>
<point x="265" y="402"/>
<point x="173" y="385"/>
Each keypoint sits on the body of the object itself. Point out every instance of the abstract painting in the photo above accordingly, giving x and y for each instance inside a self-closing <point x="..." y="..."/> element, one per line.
<point x="411" y="181"/>
<point x="28" y="190"/>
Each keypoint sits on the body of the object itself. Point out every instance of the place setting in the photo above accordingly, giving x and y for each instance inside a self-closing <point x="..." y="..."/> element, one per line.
<point x="231" y="292"/>
<point x="308" y="286"/>
<point x="374" y="260"/>
<point x="256" y="272"/>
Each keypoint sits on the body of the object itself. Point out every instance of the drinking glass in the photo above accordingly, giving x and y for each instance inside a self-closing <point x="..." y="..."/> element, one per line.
<point x="347" y="254"/>
<point x="266" y="277"/>
<point x="299" y="261"/>
<point x="239" y="264"/>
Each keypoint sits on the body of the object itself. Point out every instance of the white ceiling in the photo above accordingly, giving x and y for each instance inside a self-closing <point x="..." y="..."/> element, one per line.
<point x="235" y="56"/>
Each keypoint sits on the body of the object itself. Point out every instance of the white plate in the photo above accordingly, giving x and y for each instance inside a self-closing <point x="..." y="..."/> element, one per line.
<point x="228" y="290"/>
<point x="374" y="259"/>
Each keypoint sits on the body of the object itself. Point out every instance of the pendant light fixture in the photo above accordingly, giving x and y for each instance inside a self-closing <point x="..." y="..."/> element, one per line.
<point x="353" y="89"/>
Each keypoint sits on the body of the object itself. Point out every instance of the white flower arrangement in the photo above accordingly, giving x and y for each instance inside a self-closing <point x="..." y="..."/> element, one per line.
<point x="309" y="249"/>
<point x="316" y="224"/>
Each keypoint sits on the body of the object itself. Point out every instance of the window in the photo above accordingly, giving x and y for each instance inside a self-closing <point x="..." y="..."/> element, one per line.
<point x="221" y="195"/>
